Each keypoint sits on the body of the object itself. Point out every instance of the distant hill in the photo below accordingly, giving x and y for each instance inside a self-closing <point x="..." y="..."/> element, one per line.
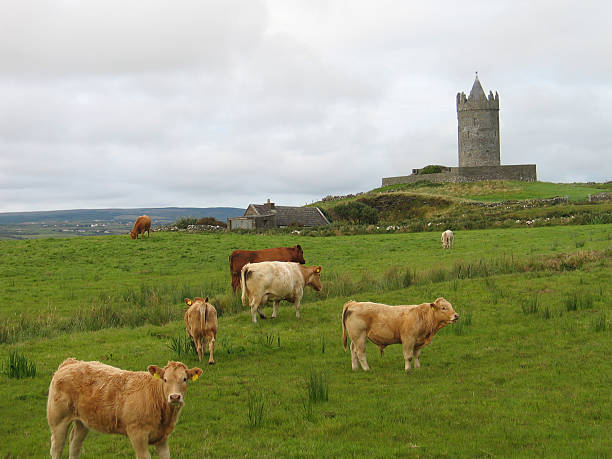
<point x="159" y="216"/>
<point x="98" y="222"/>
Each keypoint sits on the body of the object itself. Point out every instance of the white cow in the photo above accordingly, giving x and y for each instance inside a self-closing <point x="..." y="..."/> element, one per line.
<point x="276" y="281"/>
<point x="447" y="239"/>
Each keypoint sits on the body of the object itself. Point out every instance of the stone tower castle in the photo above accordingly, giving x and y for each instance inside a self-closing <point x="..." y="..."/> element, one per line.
<point x="479" y="158"/>
<point x="478" y="127"/>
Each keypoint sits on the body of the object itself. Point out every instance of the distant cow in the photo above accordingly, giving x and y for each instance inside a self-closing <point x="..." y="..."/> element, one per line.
<point x="201" y="325"/>
<point x="412" y="325"/>
<point x="239" y="258"/>
<point x="276" y="281"/>
<point x="447" y="239"/>
<point x="142" y="225"/>
<point x="144" y="405"/>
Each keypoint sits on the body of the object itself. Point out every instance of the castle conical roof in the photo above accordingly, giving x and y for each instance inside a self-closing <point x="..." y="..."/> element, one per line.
<point x="477" y="93"/>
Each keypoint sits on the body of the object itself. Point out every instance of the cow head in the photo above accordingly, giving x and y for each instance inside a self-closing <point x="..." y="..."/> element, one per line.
<point x="444" y="312"/>
<point x="314" y="278"/>
<point x="174" y="378"/>
<point x="133" y="234"/>
<point x="299" y="254"/>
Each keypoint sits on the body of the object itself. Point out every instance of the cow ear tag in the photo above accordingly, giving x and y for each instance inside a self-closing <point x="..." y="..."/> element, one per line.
<point x="195" y="377"/>
<point x="189" y="303"/>
<point x="156" y="376"/>
<point x="317" y="270"/>
<point x="433" y="306"/>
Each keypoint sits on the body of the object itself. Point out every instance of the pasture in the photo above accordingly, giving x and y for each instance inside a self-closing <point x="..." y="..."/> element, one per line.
<point x="525" y="371"/>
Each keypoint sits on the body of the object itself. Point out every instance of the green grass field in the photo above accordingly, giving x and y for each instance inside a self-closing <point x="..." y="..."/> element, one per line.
<point x="525" y="372"/>
<point x="502" y="190"/>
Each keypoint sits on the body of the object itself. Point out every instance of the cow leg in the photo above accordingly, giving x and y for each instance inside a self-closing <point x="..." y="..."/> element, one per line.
<point x="254" y="306"/>
<point x="77" y="436"/>
<point x="297" y="308"/>
<point x="211" y="348"/>
<point x="140" y="443"/>
<point x="200" y="347"/>
<point x="275" y="311"/>
<point x="262" y="305"/>
<point x="417" y="364"/>
<point x="354" y="359"/>
<point x="360" y="349"/>
<point x="59" y="432"/>
<point x="408" y="350"/>
<point x="163" y="450"/>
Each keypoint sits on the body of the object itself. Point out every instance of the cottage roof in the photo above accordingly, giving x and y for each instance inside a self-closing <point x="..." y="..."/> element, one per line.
<point x="289" y="215"/>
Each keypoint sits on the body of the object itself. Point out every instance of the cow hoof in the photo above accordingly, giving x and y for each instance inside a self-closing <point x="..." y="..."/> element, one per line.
<point x="211" y="363"/>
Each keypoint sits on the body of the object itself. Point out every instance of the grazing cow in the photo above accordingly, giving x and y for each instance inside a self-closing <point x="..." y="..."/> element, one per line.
<point x="239" y="258"/>
<point x="201" y="325"/>
<point x="142" y="225"/>
<point x="447" y="239"/>
<point x="144" y="405"/>
<point x="276" y="281"/>
<point x="412" y="325"/>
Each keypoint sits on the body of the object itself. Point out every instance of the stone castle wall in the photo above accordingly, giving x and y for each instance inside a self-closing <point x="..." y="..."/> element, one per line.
<point x="523" y="172"/>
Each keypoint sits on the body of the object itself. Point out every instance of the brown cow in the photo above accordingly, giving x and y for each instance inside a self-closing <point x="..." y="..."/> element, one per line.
<point x="276" y="281"/>
<point x="142" y="225"/>
<point x="239" y="258"/>
<point x="144" y="405"/>
<point x="412" y="325"/>
<point x="201" y="325"/>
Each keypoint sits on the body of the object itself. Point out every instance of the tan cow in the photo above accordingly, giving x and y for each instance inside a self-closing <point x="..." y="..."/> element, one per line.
<point x="276" y="281"/>
<point x="144" y="405"/>
<point x="412" y="325"/>
<point x="141" y="226"/>
<point x="201" y="325"/>
<point x="447" y="239"/>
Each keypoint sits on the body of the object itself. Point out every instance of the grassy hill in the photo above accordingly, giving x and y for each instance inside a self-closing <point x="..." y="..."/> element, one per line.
<point x="525" y="371"/>
<point x="427" y="206"/>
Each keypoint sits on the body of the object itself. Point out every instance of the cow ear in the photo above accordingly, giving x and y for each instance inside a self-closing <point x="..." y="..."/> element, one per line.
<point x="156" y="371"/>
<point x="206" y="300"/>
<point x="299" y="247"/>
<point x="188" y="301"/>
<point x="433" y="305"/>
<point x="317" y="270"/>
<point x="194" y="373"/>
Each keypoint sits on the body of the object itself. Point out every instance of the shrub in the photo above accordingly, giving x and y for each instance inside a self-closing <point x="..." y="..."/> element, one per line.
<point x="356" y="213"/>
<point x="431" y="169"/>
<point x="184" y="222"/>
<point x="212" y="221"/>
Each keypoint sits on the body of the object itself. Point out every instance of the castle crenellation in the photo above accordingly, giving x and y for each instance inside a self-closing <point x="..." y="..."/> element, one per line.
<point x="478" y="145"/>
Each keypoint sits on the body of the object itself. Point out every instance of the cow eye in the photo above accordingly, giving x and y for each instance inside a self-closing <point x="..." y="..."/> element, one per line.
<point x="165" y="380"/>
<point x="184" y="379"/>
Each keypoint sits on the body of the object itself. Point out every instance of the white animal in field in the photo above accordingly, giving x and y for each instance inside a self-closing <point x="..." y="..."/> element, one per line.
<point x="447" y="239"/>
<point x="276" y="281"/>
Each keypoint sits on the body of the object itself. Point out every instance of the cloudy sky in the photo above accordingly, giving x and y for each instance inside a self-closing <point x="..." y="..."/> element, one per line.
<point x="120" y="103"/>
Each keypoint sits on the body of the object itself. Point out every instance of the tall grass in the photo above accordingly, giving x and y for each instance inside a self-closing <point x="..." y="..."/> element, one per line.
<point x="257" y="408"/>
<point x="18" y="366"/>
<point x="183" y="347"/>
<point x="317" y="386"/>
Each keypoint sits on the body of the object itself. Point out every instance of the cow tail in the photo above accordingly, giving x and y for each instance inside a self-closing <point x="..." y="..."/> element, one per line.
<point x="344" y="315"/>
<point x="205" y="315"/>
<point x="243" y="274"/>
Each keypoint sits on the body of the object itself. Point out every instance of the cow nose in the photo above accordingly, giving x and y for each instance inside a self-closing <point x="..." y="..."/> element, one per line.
<point x="174" y="398"/>
<point x="456" y="316"/>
